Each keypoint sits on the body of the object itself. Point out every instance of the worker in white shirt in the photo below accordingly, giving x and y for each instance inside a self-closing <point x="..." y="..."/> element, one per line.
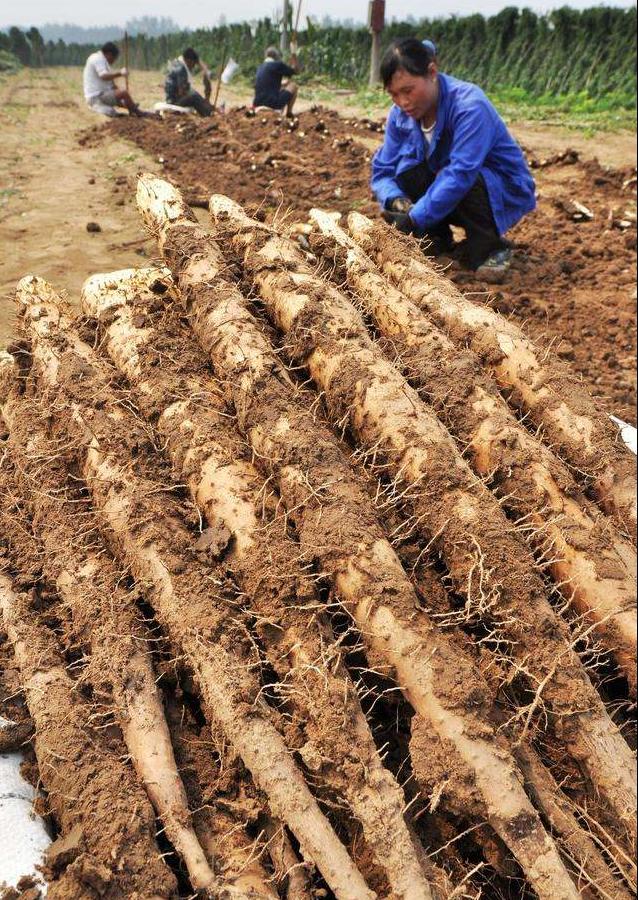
<point x="100" y="90"/>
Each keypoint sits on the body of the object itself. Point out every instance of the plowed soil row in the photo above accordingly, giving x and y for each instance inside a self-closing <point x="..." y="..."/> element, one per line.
<point x="572" y="284"/>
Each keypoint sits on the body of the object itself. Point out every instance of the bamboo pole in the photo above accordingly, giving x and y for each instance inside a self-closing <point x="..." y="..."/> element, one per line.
<point x="218" y="86"/>
<point x="126" y="62"/>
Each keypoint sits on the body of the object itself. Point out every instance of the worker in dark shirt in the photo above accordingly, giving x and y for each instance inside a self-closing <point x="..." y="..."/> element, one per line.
<point x="268" y="83"/>
<point x="179" y="83"/>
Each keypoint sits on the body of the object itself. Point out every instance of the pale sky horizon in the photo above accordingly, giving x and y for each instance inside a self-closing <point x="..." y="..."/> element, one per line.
<point x="189" y="14"/>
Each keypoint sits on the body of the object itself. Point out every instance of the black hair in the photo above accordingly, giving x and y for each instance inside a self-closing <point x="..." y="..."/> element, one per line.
<point x="191" y="54"/>
<point x="111" y="48"/>
<point x="409" y="54"/>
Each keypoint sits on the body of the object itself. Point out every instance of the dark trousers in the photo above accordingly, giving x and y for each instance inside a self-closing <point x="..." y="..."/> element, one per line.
<point x="201" y="106"/>
<point x="473" y="214"/>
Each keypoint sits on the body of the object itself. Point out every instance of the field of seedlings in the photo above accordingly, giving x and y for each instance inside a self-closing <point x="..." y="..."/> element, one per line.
<point x="318" y="576"/>
<point x="584" y="56"/>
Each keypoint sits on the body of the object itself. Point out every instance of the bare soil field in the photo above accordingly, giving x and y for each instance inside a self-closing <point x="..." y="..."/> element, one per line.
<point x="317" y="563"/>
<point x="50" y="188"/>
<point x="573" y="282"/>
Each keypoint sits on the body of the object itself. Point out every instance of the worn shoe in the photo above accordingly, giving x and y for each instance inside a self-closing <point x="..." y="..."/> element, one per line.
<point x="495" y="268"/>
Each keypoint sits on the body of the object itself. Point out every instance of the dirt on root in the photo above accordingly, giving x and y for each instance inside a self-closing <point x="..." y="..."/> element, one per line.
<point x="228" y="811"/>
<point x="573" y="282"/>
<point x="521" y="593"/>
<point x="252" y="615"/>
<point x="100" y="810"/>
<point x="328" y="729"/>
<point x="321" y="712"/>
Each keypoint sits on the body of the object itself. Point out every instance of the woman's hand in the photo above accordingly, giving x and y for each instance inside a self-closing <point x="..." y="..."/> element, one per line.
<point x="401" y="221"/>
<point x="400" y="204"/>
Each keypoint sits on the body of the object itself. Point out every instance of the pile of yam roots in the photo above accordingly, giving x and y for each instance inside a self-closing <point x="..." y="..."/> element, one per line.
<point x="316" y="577"/>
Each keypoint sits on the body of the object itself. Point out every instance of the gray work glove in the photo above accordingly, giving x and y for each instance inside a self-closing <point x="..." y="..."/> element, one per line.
<point x="402" y="221"/>
<point x="400" y="204"/>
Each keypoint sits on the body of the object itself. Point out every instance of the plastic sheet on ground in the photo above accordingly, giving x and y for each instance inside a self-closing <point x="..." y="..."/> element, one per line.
<point x="162" y="107"/>
<point x="628" y="434"/>
<point x="23" y="835"/>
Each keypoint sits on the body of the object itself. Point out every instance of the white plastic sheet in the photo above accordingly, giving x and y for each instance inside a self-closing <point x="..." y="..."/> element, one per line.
<point x="23" y="836"/>
<point x="628" y="434"/>
<point x="232" y="68"/>
<point x="162" y="107"/>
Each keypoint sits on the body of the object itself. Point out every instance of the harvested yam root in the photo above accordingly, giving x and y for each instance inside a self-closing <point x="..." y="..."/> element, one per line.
<point x="93" y="795"/>
<point x="582" y="850"/>
<point x="207" y="453"/>
<point x="227" y="806"/>
<point x="288" y="868"/>
<point x="337" y="528"/>
<point x="594" y="567"/>
<point x="103" y="616"/>
<point x="192" y="600"/>
<point x="73" y="558"/>
<point x="555" y="401"/>
<point x="485" y="558"/>
<point x="588" y="864"/>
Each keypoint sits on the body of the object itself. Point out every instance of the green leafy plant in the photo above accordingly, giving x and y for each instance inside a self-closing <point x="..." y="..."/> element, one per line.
<point x="585" y="58"/>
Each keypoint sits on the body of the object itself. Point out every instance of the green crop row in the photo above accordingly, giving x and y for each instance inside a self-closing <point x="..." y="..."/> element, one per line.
<point x="590" y="53"/>
<point x="8" y="62"/>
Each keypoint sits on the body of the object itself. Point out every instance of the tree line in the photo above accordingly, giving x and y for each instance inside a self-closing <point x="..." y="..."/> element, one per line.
<point x="77" y="34"/>
<point x="565" y="51"/>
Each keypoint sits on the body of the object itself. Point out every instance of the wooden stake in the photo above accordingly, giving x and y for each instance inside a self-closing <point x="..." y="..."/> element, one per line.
<point x="219" y="77"/>
<point x="126" y="55"/>
<point x="285" y="36"/>
<point x="296" y="28"/>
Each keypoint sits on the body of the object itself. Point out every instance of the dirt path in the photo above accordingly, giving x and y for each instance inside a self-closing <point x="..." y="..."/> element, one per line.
<point x="50" y="188"/>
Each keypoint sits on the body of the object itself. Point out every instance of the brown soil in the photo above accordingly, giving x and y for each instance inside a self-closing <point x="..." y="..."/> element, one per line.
<point x="572" y="285"/>
<point x="261" y="160"/>
<point x="572" y="282"/>
<point x="352" y="641"/>
<point x="50" y="189"/>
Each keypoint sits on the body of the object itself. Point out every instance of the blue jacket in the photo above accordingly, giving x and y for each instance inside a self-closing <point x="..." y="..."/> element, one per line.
<point x="470" y="139"/>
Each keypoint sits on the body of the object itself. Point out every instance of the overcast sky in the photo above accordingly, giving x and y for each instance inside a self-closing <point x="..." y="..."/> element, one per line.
<point x="191" y="13"/>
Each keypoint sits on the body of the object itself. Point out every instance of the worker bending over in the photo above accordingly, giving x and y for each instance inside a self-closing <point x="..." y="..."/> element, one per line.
<point x="100" y="91"/>
<point x="268" y="83"/>
<point x="448" y="159"/>
<point x="179" y="83"/>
